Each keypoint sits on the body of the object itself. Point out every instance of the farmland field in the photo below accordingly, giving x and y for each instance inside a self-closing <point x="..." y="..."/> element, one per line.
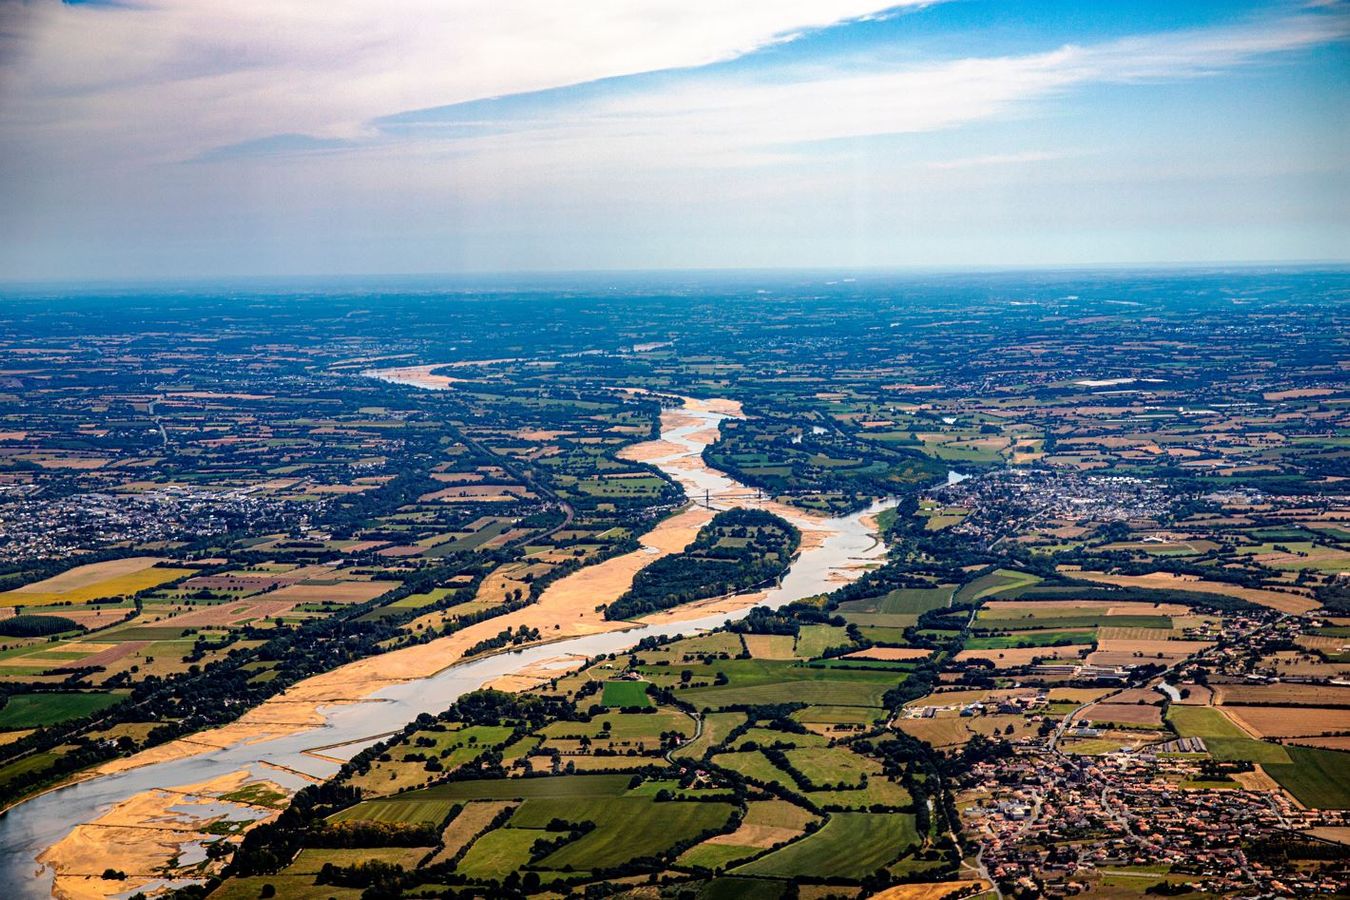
<point x="498" y="853"/>
<point x="1124" y="714"/>
<point x="1198" y="721"/>
<point x="626" y="694"/>
<point x="1283" y="721"/>
<point x="1317" y="778"/>
<point x="1282" y="694"/>
<point x="1033" y="638"/>
<point x="813" y="640"/>
<point x="527" y="788"/>
<point x="848" y="845"/>
<point x="36" y="710"/>
<point x="1000" y="581"/>
<point x="429" y="812"/>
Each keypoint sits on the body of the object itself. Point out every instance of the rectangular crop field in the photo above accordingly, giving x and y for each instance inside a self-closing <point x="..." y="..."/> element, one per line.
<point x="418" y="812"/>
<point x="813" y="640"/>
<point x="36" y="710"/>
<point x="527" y="788"/>
<point x="113" y="578"/>
<point x="626" y="694"/>
<point x="626" y="827"/>
<point x="848" y="845"/>
<point x="1317" y="778"/>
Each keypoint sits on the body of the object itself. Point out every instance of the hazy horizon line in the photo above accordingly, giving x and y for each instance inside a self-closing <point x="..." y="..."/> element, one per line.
<point x="838" y="272"/>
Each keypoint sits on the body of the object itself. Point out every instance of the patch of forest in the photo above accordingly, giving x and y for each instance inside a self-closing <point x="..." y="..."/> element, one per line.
<point x="738" y="549"/>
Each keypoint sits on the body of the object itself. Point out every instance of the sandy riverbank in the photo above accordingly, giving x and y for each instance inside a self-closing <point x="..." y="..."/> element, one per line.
<point x="417" y="376"/>
<point x="142" y="835"/>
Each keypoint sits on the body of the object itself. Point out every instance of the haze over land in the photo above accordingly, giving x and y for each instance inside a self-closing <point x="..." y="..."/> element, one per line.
<point x="863" y="586"/>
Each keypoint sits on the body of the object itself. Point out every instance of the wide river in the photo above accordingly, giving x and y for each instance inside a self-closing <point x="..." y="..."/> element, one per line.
<point x="29" y="828"/>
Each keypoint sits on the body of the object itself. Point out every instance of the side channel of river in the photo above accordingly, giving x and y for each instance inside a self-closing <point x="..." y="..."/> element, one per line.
<point x="839" y="553"/>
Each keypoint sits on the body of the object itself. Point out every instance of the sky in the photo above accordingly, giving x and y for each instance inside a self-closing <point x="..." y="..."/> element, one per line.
<point x="163" y="139"/>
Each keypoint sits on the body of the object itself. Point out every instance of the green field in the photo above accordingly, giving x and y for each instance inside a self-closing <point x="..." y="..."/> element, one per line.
<point x="37" y="710"/>
<point x="311" y="859"/>
<point x="1318" y="778"/>
<point x="840" y="715"/>
<point x="742" y="889"/>
<point x="1223" y="739"/>
<point x="1092" y="620"/>
<point x="897" y="609"/>
<point x="715" y="856"/>
<point x="1201" y="722"/>
<point x="830" y="765"/>
<point x="1032" y="639"/>
<point x="813" y="640"/>
<point x="626" y="694"/>
<point x="499" y="853"/>
<point x="998" y="582"/>
<point x="526" y="788"/>
<point x="397" y="809"/>
<point x="626" y="827"/>
<point x="623" y="726"/>
<point x="849" y="845"/>
<point x="758" y="681"/>
<point x="754" y="764"/>
<point x="716" y="727"/>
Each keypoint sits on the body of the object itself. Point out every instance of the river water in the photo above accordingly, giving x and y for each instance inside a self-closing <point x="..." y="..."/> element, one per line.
<point x="29" y="828"/>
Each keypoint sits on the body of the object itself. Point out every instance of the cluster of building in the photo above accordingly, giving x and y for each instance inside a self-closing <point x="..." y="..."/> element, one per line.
<point x="1051" y="494"/>
<point x="1051" y="826"/>
<point x="35" y="526"/>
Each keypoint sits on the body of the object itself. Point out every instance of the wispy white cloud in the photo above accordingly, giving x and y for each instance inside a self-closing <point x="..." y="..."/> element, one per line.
<point x="175" y="78"/>
<point x="1002" y="159"/>
<point x="729" y="117"/>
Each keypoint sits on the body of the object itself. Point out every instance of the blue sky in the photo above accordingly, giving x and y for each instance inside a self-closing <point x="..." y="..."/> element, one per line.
<point x="181" y="138"/>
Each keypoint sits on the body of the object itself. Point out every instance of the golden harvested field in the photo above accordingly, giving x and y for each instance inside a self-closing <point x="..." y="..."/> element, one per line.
<point x="1123" y="714"/>
<point x="1135" y="634"/>
<point x="1000" y="609"/>
<point x="105" y="654"/>
<point x="1290" y="662"/>
<point x="1290" y="603"/>
<point x="1076" y="695"/>
<point x="507" y="578"/>
<point x="962" y="698"/>
<point x="948" y="732"/>
<point x="1196" y="695"/>
<point x="342" y="592"/>
<point x="475" y="817"/>
<point x="1341" y="742"/>
<point x="931" y="891"/>
<point x="889" y="653"/>
<point x="91" y="574"/>
<point x="230" y="613"/>
<point x="767" y="822"/>
<point x="1289" y="721"/>
<point x="771" y="646"/>
<point x="93" y="616"/>
<point x="1324" y="643"/>
<point x="1288" y="694"/>
<point x="1124" y="653"/>
<point x="477" y="493"/>
<point x="114" y="578"/>
<point x="1012" y="657"/>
